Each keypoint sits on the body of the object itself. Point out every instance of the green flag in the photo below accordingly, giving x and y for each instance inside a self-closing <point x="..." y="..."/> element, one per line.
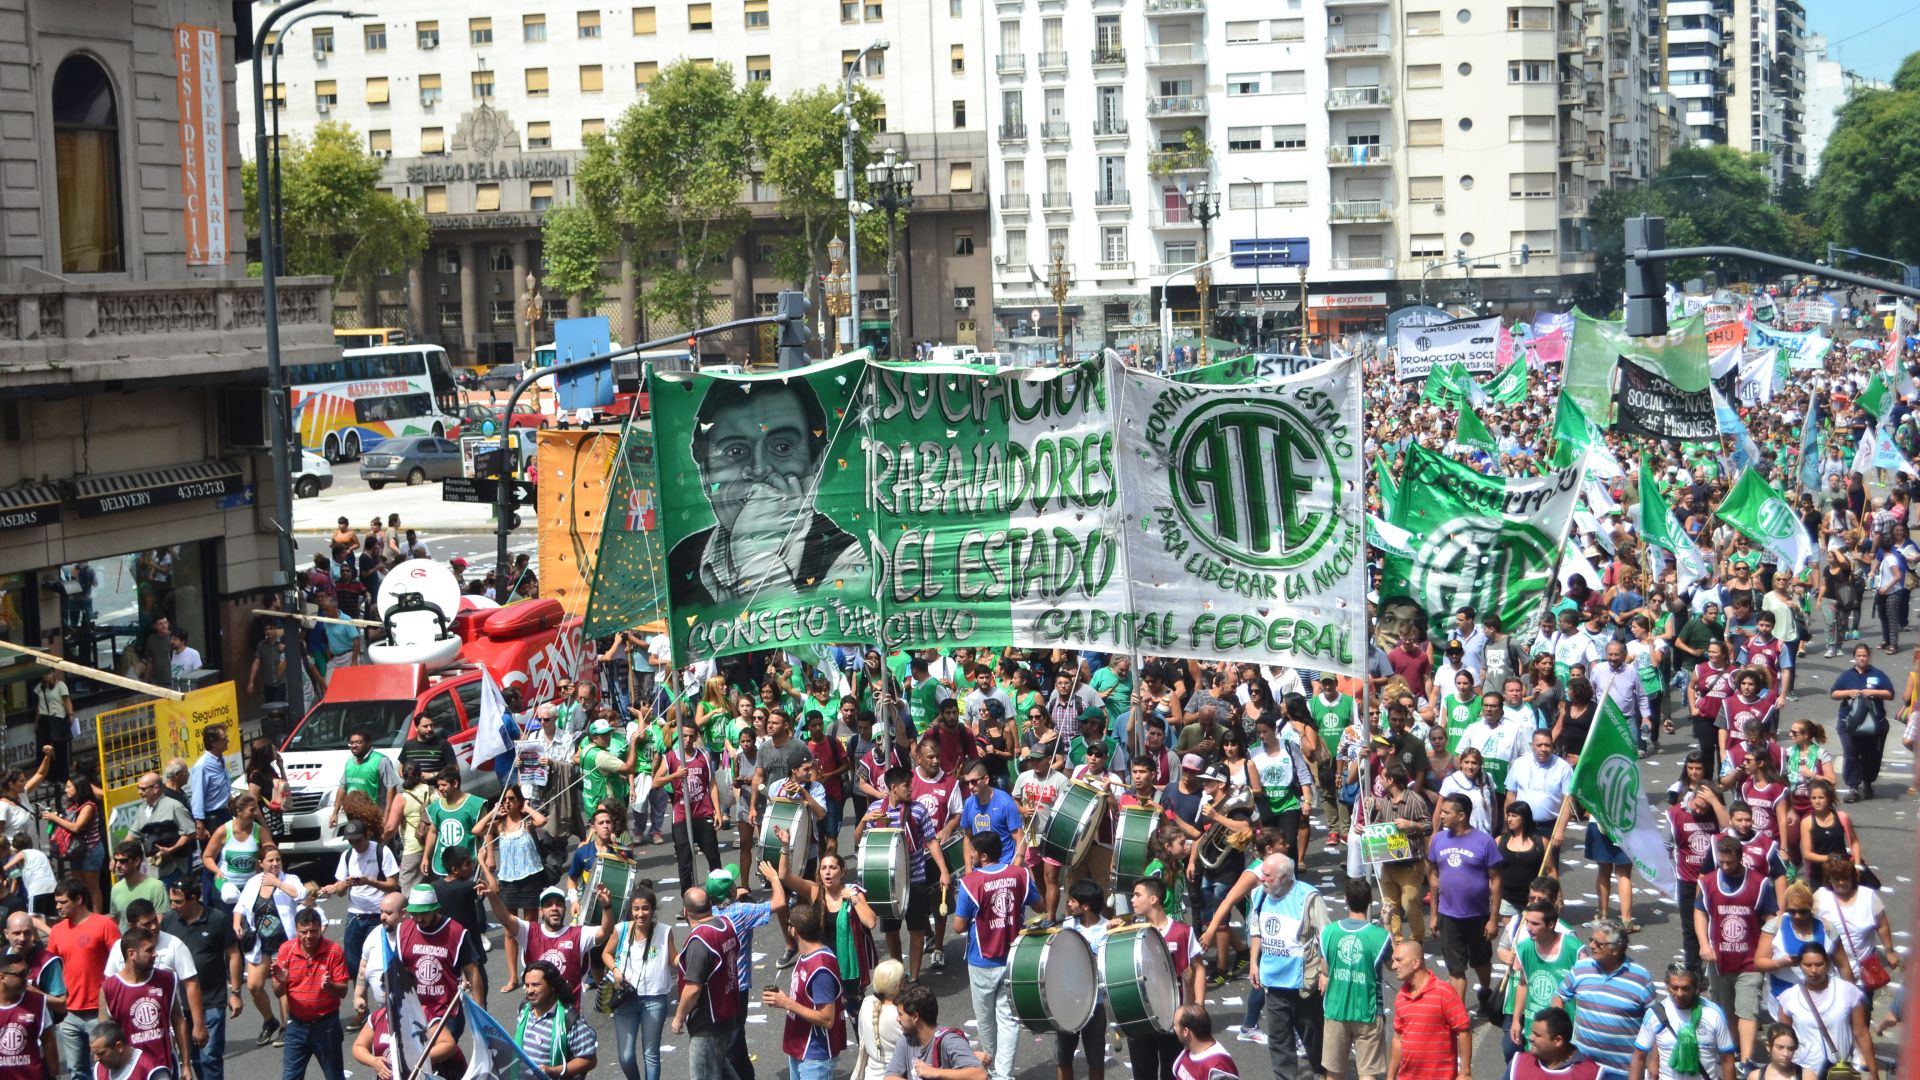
<point x="629" y="575"/>
<point x="1471" y="432"/>
<point x="1768" y="519"/>
<point x="1572" y="431"/>
<point x="1608" y="783"/>
<point x="1447" y="386"/>
<point x="1389" y="487"/>
<point x="1509" y="385"/>
<point x="1875" y="399"/>
<point x="1657" y="524"/>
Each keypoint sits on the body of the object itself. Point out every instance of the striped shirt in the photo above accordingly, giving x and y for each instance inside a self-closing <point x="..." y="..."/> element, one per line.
<point x="534" y="1033"/>
<point x="1427" y="1024"/>
<point x="1607" y="1009"/>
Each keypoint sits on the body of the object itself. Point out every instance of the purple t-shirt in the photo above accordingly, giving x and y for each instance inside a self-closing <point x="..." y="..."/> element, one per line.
<point x="1464" y="861"/>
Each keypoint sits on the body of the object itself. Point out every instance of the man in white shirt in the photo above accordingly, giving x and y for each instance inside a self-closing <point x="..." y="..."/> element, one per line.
<point x="1661" y="1025"/>
<point x="367" y="873"/>
<point x="1500" y="741"/>
<point x="370" y="988"/>
<point x="984" y="691"/>
<point x="1541" y="781"/>
<point x="185" y="658"/>
<point x="169" y="952"/>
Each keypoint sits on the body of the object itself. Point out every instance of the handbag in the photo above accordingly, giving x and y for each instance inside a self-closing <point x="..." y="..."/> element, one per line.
<point x="1837" y="1068"/>
<point x="1870" y="968"/>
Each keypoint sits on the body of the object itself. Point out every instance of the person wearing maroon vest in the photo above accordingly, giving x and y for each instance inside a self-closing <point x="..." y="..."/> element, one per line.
<point x="1551" y="1055"/>
<point x="144" y="999"/>
<point x="709" y="998"/>
<point x="938" y="791"/>
<point x="692" y="766"/>
<point x="1696" y="819"/>
<point x="26" y="1025"/>
<point x="1727" y="917"/>
<point x="1200" y="1057"/>
<point x="438" y="950"/>
<point x="375" y="1044"/>
<point x="549" y="937"/>
<point x="992" y="898"/>
<point x="115" y="1059"/>
<point x="1759" y="851"/>
<point x="815" y="1031"/>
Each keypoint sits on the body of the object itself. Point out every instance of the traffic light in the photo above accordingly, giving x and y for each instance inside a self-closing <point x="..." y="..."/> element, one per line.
<point x="796" y="336"/>
<point x="1526" y="253"/>
<point x="1646" y="282"/>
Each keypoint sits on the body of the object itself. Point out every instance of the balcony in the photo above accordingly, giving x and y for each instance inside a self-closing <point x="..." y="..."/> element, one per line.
<point x="1360" y="262"/>
<point x="1172" y="217"/>
<point x="1358" y="44"/>
<point x="1106" y="197"/>
<point x="1573" y="206"/>
<point x="1578" y="262"/>
<point x="1113" y="268"/>
<point x="1171" y="162"/>
<point x="1012" y="133"/>
<point x="1054" y="131"/>
<point x="1618" y="69"/>
<point x="1109" y="56"/>
<point x="1355" y="210"/>
<point x="1359" y="97"/>
<point x="1110" y="128"/>
<point x="1161" y="108"/>
<point x="70" y="332"/>
<point x="1056" y="200"/>
<point x="1572" y="149"/>
<point x="1359" y="156"/>
<point x="1013" y="203"/>
<point x="1573" y="91"/>
<point x="1052" y="61"/>
<point x="1177" y="55"/>
<point x="1168" y="269"/>
<point x="1011" y="65"/>
<point x="1162" y="8"/>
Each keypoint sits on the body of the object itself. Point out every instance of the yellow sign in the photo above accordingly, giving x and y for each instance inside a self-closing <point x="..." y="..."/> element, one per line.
<point x="142" y="738"/>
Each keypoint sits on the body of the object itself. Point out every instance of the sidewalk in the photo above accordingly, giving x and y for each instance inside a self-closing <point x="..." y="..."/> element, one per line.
<point x="418" y="507"/>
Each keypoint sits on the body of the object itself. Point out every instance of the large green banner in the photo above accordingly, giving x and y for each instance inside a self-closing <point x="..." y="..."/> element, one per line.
<point x="629" y="575"/>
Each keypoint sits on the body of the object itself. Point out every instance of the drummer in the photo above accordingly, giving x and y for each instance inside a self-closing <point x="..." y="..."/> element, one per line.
<point x="988" y="809"/>
<point x="1036" y="792"/>
<point x="898" y="811"/>
<point x="1099" y="859"/>
<point x="939" y="792"/>
<point x="1152" y="1055"/>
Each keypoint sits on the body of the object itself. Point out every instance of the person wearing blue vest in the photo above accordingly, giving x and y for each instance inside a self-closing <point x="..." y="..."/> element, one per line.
<point x="1284" y="920"/>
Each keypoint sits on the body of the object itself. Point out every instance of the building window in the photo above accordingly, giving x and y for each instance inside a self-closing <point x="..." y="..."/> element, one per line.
<point x="539" y="135"/>
<point x="486" y="198"/>
<point x="847" y="57"/>
<point x="955" y="8"/>
<point x="436" y="198"/>
<point x="1106" y="35"/>
<point x="850" y="11"/>
<point x="957" y="59"/>
<point x="1423" y="133"/>
<point x="880" y="117"/>
<point x="482" y="84"/>
<point x="875" y="12"/>
<point x="1287" y="82"/>
<point x="326" y="94"/>
<point x="1243" y="196"/>
<point x="500" y="312"/>
<point x="1246" y="32"/>
<point x="756" y="15"/>
<point x="1422" y="22"/>
<point x="1537" y="185"/>
<point x="1289" y="30"/>
<point x="645" y="72"/>
<point x="1290" y="136"/>
<point x="1244" y="85"/>
<point x="480" y="31"/>
<point x="1423" y="76"/>
<point x="377" y="93"/>
<point x="427" y="34"/>
<point x="766" y="303"/>
<point x="277" y="94"/>
<point x="1180" y="253"/>
<point x="959" y="115"/>
<point x="1243" y="138"/>
<point x="533" y="28"/>
<point x="1529" y="129"/>
<point x="540" y="194"/>
<point x="380" y="142"/>
<point x="962" y="242"/>
<point x="643" y="21"/>
<point x="536" y="82"/>
<point x="699" y="16"/>
<point x="876" y="65"/>
<point x="375" y="38"/>
<point x="433" y="140"/>
<point x="1427" y="246"/>
<point x="1529" y="71"/>
<point x="1113" y="244"/>
<point x="86" y="161"/>
<point x="1290" y="193"/>
<point x="960" y="176"/>
<point x="1016" y="241"/>
<point x="449" y="315"/>
<point x="1529" y="18"/>
<point x="592" y="79"/>
<point x="1538" y="241"/>
<point x="759" y="69"/>
<point x="430" y="91"/>
<point x="323" y="40"/>
<point x="763" y="252"/>
<point x="592" y="128"/>
<point x="1425" y="189"/>
<point x="588" y="24"/>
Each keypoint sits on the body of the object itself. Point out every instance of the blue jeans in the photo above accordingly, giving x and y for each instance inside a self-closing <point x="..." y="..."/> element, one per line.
<point x="359" y="928"/>
<point x="810" y="1070"/>
<point x="636" y="1027"/>
<point x="74" y="1035"/>
<point x="315" y="1040"/>
<point x="707" y="1056"/>
<point x="209" y="1061"/>
<point x="1256" y="1003"/>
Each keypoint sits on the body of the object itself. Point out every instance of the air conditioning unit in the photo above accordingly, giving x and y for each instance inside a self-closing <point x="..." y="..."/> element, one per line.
<point x="999" y="260"/>
<point x="383" y="154"/>
<point x="1336" y="20"/>
<point x="962" y="303"/>
<point x="427" y="46"/>
<point x="322" y="108"/>
<point x="881" y="303"/>
<point x="320" y="56"/>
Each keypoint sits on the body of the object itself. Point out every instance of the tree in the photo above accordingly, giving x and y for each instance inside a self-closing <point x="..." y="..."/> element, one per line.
<point x="575" y="242"/>
<point x="798" y="142"/>
<point x="1869" y="179"/>
<point x="1709" y="196"/>
<point x="336" y="221"/>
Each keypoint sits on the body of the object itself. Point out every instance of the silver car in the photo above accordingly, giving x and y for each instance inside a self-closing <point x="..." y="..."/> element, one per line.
<point x="413" y="459"/>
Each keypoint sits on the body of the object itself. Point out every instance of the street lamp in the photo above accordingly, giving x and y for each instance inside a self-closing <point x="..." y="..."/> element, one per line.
<point x="1059" y="279"/>
<point x="890" y="185"/>
<point x="838" y="285"/>
<point x="278" y="257"/>
<point x="1203" y="206"/>
<point x="532" y="307"/>
<point x="854" y="206"/>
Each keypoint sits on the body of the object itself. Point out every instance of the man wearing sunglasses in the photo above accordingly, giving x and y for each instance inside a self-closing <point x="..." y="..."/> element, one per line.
<point x="989" y="809"/>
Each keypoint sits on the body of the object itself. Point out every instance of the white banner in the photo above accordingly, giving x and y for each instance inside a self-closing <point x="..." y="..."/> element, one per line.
<point x="1758" y="369"/>
<point x="1474" y="343"/>
<point x="1245" y="529"/>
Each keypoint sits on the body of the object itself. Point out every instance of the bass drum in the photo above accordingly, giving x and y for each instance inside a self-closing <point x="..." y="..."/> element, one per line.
<point x="1054" y="980"/>
<point x="619" y="876"/>
<point x="1142" y="992"/>
<point x="793" y="816"/>
<point x="1131" y="838"/>
<point x="1073" y="823"/>
<point x="884" y="871"/>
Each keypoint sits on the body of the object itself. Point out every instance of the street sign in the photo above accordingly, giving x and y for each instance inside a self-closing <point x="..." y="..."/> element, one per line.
<point x="1279" y="251"/>
<point x="460" y="489"/>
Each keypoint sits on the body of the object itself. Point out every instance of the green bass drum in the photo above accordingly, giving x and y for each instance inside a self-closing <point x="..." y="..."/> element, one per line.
<point x="1054" y="981"/>
<point x="1142" y="992"/>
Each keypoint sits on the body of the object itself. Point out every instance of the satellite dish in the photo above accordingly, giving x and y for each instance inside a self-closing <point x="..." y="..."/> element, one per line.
<point x="417" y="602"/>
<point x="477" y="602"/>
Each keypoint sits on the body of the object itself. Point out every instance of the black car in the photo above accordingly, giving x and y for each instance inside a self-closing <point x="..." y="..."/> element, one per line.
<point x="502" y="377"/>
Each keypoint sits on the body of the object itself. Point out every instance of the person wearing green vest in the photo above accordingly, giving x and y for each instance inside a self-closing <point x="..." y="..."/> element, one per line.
<point x="371" y="774"/>
<point x="1332" y="713"/>
<point x="605" y="773"/>
<point x="1459" y="709"/>
<point x="1541" y="961"/>
<point x="449" y="821"/>
<point x="924" y="695"/>
<point x="1356" y="951"/>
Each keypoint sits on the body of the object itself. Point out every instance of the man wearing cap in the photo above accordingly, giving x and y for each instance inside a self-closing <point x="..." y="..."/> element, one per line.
<point x="549" y="937"/>
<point x="438" y="951"/>
<point x="604" y="773"/>
<point x="1093" y="730"/>
<point x="366" y="872"/>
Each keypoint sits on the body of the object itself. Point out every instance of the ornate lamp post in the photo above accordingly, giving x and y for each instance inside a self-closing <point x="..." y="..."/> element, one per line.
<point x="1203" y="206"/>
<point x="890" y="186"/>
<point x="837" y="283"/>
<point x="1059" y="280"/>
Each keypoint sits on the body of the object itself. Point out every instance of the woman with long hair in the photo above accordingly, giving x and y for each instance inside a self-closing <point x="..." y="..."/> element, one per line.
<point x="639" y="959"/>
<point x="263" y="921"/>
<point x="1524" y="856"/>
<point x="16" y="816"/>
<point x="1826" y="834"/>
<point x="848" y="920"/>
<point x="267" y="782"/>
<point x="878" y="1022"/>
<point x="1765" y="793"/>
<point x="234" y="849"/>
<point x="1544" y="689"/>
<point x="79" y="836"/>
<point x="1469" y="779"/>
<point x="405" y="812"/>
<point x="1838" y="593"/>
<point x="1865" y="935"/>
<point x="1707" y="690"/>
<point x="513" y="859"/>
<point x="1570" y="734"/>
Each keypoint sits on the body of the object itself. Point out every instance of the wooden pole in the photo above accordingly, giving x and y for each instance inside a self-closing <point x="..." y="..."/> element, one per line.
<point x="108" y="677"/>
<point x="1559" y="824"/>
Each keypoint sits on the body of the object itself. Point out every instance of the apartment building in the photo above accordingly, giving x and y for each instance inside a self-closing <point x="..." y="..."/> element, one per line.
<point x="1356" y="147"/>
<point x="134" y="482"/>
<point x="1829" y="85"/>
<point x="1737" y="71"/>
<point x="483" y="118"/>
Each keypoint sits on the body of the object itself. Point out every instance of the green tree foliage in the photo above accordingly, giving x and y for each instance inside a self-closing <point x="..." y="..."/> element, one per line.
<point x="1710" y="196"/>
<point x="1869" y="180"/>
<point x="798" y="142"/>
<point x="337" y="222"/>
<point x="575" y="242"/>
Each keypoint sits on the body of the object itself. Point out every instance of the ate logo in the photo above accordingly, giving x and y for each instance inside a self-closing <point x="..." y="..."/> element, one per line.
<point x="1775" y="519"/>
<point x="1255" y="481"/>
<point x="146" y="1014"/>
<point x="1475" y="562"/>
<point x="13" y="1039"/>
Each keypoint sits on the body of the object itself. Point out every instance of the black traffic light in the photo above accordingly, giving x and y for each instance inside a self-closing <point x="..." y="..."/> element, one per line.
<point x="1646" y="282"/>
<point x="1526" y="254"/>
<point x="796" y="336"/>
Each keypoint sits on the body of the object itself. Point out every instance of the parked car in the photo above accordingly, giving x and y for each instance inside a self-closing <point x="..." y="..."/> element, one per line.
<point x="313" y="476"/>
<point x="502" y="377"/>
<point x="482" y="420"/>
<point x="414" y="459"/>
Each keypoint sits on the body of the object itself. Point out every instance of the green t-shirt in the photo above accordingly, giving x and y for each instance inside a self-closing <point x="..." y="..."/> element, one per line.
<point x="923" y="704"/>
<point x="1748" y="559"/>
<point x="452" y="827"/>
<point x="1460" y="716"/>
<point x="1331" y="720"/>
<point x="597" y="781"/>
<point x="150" y="888"/>
<point x="1544" y="977"/>
<point x="1355" y="952"/>
<point x="1120" y="701"/>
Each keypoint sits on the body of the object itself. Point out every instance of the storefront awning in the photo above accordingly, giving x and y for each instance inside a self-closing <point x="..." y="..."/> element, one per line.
<point x="95" y="496"/>
<point x="29" y="505"/>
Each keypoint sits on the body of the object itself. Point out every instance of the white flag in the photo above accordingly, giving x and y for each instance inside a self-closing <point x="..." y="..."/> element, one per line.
<point x="490" y="737"/>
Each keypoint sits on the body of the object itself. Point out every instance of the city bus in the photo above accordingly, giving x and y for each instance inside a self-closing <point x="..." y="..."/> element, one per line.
<point x="342" y="406"/>
<point x="370" y="337"/>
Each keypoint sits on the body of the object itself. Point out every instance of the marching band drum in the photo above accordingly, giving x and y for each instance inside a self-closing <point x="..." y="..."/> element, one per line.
<point x="793" y="816"/>
<point x="1131" y="850"/>
<point x="884" y="871"/>
<point x="1054" y="980"/>
<point x="1074" y="822"/>
<point x="1142" y="993"/>
<point x="619" y="876"/>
